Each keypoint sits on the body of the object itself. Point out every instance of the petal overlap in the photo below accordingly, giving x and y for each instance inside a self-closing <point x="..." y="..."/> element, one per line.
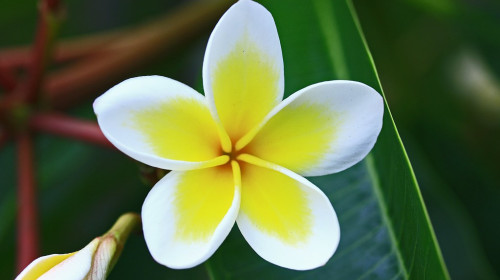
<point x="188" y="214"/>
<point x="160" y="122"/>
<point x="286" y="219"/>
<point x="243" y="68"/>
<point x="321" y="129"/>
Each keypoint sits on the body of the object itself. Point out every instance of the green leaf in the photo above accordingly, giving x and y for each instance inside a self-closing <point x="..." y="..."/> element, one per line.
<point x="386" y="233"/>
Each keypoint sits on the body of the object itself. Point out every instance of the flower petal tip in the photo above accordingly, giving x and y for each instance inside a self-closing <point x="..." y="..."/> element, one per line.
<point x="183" y="224"/>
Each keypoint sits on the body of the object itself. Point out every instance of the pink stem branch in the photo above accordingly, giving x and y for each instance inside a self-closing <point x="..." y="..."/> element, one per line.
<point x="69" y="49"/>
<point x="62" y="125"/>
<point x="7" y="79"/>
<point x="45" y="35"/>
<point x="97" y="73"/>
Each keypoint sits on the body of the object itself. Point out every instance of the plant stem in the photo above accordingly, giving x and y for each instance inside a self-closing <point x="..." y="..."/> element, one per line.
<point x="14" y="57"/>
<point x="27" y="220"/>
<point x="7" y="79"/>
<point x="122" y="228"/>
<point x="96" y="74"/>
<point x="126" y="224"/>
<point x="112" y="244"/>
<point x="69" y="49"/>
<point x="48" y="25"/>
<point x="62" y="125"/>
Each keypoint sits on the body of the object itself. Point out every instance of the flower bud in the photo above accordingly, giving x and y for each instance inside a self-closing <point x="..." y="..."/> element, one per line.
<point x="93" y="262"/>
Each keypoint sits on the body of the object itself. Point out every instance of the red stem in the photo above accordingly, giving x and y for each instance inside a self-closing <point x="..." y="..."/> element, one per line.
<point x="27" y="219"/>
<point x="42" y="48"/>
<point x="14" y="58"/>
<point x="37" y="64"/>
<point x="69" y="49"/>
<point x="52" y="5"/>
<point x="97" y="73"/>
<point x="7" y="79"/>
<point x="62" y="125"/>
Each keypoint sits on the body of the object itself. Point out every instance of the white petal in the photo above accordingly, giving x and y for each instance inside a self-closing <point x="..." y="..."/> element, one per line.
<point x="285" y="218"/>
<point x="160" y="122"/>
<point x="41" y="265"/>
<point x="243" y="68"/>
<point x="321" y="129"/>
<point x="74" y="267"/>
<point x="187" y="215"/>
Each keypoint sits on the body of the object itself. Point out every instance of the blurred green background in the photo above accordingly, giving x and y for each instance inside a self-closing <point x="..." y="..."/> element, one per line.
<point x="439" y="63"/>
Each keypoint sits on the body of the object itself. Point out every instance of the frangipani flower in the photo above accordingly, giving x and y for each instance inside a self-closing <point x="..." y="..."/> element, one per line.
<point x="239" y="153"/>
<point x="93" y="262"/>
